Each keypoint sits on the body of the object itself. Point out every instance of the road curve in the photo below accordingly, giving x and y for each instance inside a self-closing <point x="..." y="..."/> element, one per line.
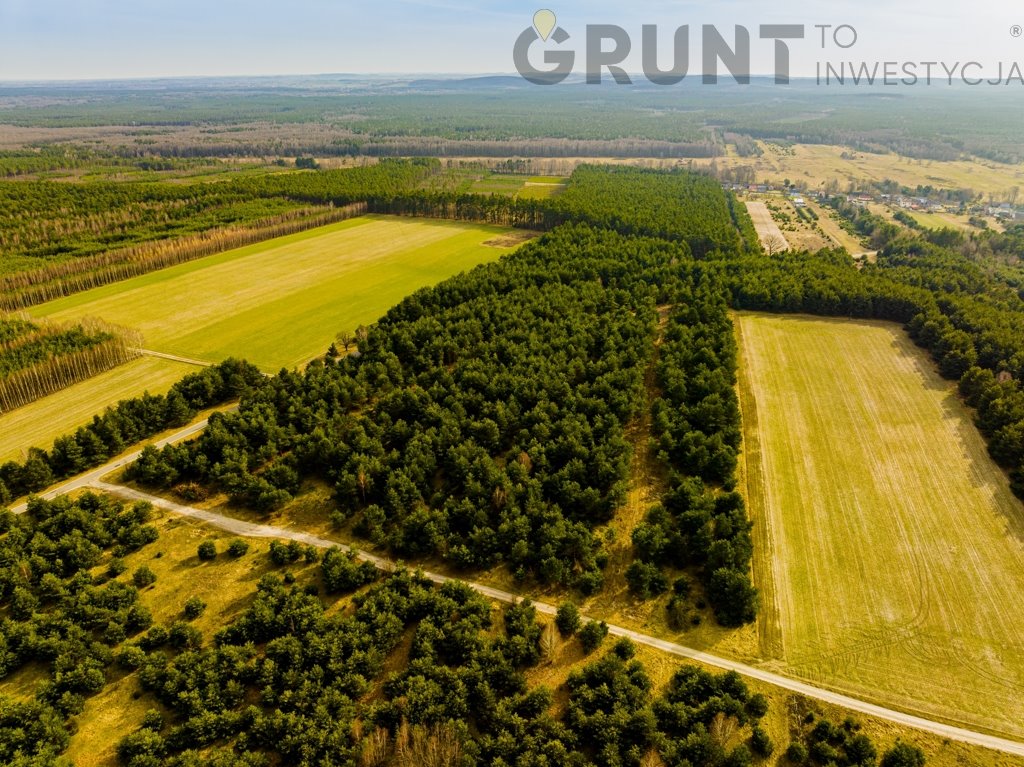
<point x="84" y="480"/>
<point x="252" y="530"/>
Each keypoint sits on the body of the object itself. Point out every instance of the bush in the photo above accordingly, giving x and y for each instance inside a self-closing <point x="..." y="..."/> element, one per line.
<point x="285" y="553"/>
<point x="757" y="706"/>
<point x="238" y="548"/>
<point x="153" y="720"/>
<point x="624" y="648"/>
<point x="116" y="567"/>
<point x="194" y="607"/>
<point x="677" y="613"/>
<point x="903" y="755"/>
<point x="592" y="635"/>
<point x="342" y="571"/>
<point x="154" y="639"/>
<point x="567" y="619"/>
<point x="207" y="551"/>
<point x="733" y="596"/>
<point x="646" y="580"/>
<point x="760" y="742"/>
<point x="796" y="753"/>
<point x="739" y="757"/>
<point x="143" y="577"/>
<point x="182" y="636"/>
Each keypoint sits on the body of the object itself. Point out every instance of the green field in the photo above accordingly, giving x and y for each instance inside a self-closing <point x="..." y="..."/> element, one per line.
<point x="39" y="423"/>
<point x="890" y="549"/>
<point x="282" y="302"/>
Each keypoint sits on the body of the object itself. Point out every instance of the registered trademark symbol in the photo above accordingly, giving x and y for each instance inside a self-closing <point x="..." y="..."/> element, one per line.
<point x="1016" y="30"/>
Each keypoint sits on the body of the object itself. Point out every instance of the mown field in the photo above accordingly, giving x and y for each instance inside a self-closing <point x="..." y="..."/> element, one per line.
<point x="890" y="549"/>
<point x="282" y="302"/>
<point x="40" y="422"/>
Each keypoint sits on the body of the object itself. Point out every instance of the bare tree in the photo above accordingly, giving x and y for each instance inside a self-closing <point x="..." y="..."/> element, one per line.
<point x="774" y="244"/>
<point x="549" y="642"/>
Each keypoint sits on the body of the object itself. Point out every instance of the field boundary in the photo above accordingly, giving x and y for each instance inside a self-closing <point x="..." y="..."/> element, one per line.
<point x="769" y="626"/>
<point x="888" y="548"/>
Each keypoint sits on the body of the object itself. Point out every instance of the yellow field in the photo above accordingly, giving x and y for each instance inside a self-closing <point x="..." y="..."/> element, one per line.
<point x="814" y="165"/>
<point x="39" y="423"/>
<point x="890" y="550"/>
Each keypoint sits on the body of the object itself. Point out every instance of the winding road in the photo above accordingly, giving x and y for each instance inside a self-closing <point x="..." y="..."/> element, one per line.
<point x="239" y="527"/>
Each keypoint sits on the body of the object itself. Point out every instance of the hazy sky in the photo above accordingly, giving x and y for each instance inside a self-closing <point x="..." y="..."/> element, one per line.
<point x="57" y="39"/>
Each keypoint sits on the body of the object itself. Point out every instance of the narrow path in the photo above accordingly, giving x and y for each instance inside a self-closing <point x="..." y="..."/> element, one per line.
<point x="87" y="479"/>
<point x="252" y="530"/>
<point x="93" y="479"/>
<point x="174" y="358"/>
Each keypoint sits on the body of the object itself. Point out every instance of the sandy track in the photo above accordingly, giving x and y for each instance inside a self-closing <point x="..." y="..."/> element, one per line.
<point x="766" y="227"/>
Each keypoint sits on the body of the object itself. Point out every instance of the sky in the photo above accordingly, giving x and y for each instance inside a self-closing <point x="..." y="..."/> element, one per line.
<point x="101" y="39"/>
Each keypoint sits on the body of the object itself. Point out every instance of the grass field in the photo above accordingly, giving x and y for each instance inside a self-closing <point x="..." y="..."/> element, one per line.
<point x="39" y="423"/>
<point x="282" y="302"/>
<point x="532" y="187"/>
<point x="890" y="549"/>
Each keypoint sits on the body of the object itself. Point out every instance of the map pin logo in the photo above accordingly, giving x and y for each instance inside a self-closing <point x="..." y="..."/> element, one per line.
<point x="544" y="22"/>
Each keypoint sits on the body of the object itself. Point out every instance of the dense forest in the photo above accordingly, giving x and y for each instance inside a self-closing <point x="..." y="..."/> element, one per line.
<point x="483" y="422"/>
<point x="484" y="419"/>
<point x="505" y="116"/>
<point x="404" y="671"/>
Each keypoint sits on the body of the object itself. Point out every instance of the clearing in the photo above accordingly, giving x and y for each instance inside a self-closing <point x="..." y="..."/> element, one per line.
<point x="890" y="550"/>
<point x="772" y="238"/>
<point x="280" y="303"/>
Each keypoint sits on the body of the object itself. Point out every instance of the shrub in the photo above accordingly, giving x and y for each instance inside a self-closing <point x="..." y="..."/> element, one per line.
<point x="567" y="619"/>
<point x="592" y="635"/>
<point x="143" y="577"/>
<point x="646" y="580"/>
<point x="207" y="551"/>
<point x="796" y="753"/>
<point x="903" y="755"/>
<point x="342" y="571"/>
<point x="757" y="706"/>
<point x="153" y="720"/>
<point x="760" y="742"/>
<point x="238" y="547"/>
<point x="285" y="553"/>
<point x="194" y="607"/>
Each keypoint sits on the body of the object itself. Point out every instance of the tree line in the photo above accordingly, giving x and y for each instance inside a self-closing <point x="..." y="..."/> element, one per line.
<point x="126" y="424"/>
<point x="29" y="288"/>
<point x="39" y="359"/>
